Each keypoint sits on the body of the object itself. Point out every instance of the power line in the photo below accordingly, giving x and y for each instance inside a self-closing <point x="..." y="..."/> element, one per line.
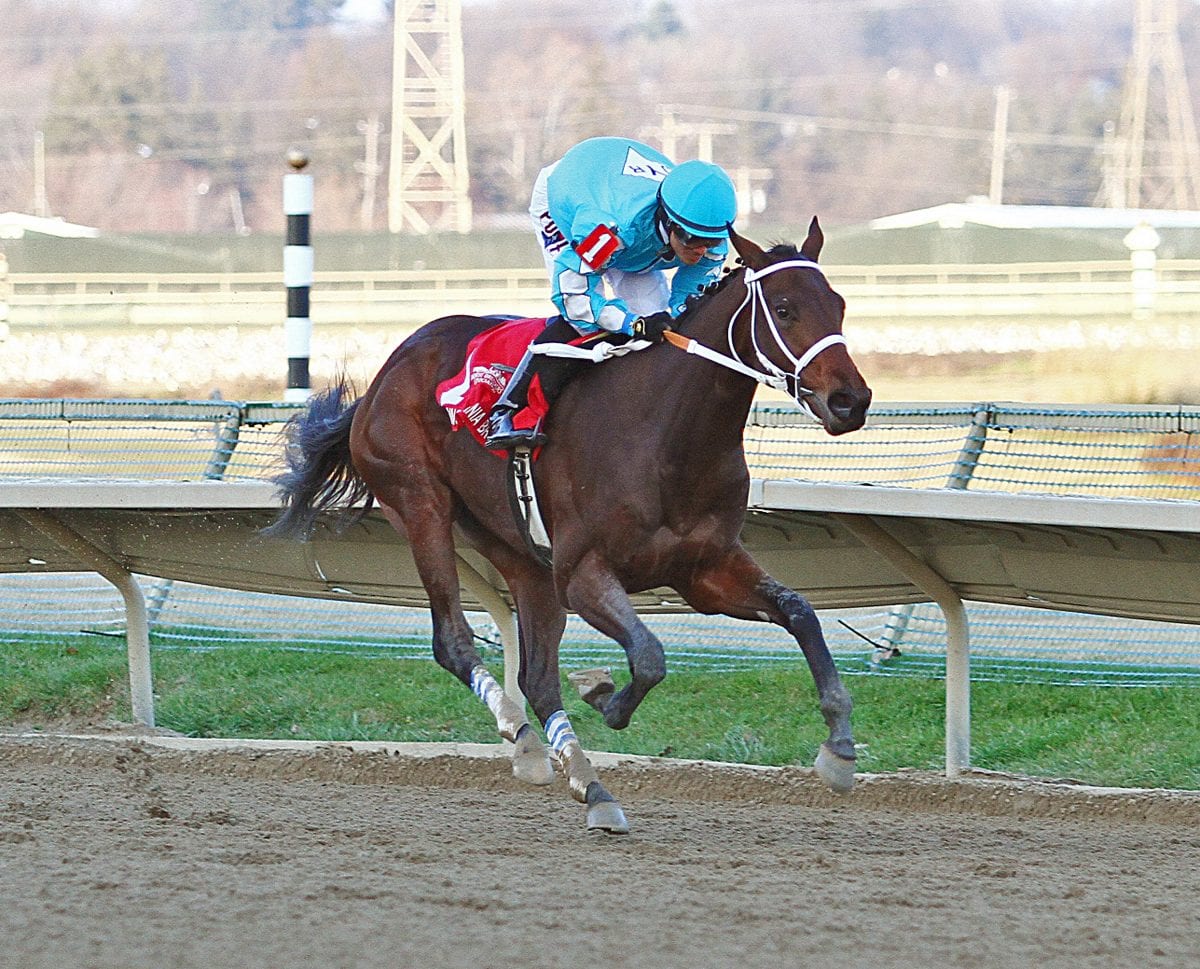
<point x="803" y="122"/>
<point x="305" y="106"/>
<point x="66" y="41"/>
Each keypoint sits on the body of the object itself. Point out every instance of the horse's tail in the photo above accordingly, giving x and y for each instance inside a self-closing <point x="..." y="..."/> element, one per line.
<point x="320" y="475"/>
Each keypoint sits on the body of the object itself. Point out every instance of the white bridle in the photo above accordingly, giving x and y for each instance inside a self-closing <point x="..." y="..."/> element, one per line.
<point x="769" y="374"/>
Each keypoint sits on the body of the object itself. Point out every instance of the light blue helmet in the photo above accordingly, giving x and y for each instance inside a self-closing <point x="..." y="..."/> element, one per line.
<point x="699" y="197"/>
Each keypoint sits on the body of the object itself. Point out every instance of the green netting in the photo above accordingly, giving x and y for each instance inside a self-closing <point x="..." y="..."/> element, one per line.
<point x="1144" y="452"/>
<point x="168" y="440"/>
<point x="1134" y="452"/>
<point x="1007" y="642"/>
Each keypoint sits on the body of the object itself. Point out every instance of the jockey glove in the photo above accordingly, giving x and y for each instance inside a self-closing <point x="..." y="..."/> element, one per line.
<point x="652" y="327"/>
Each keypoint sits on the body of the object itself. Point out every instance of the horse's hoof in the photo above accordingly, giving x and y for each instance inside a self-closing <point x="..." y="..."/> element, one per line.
<point x="607" y="816"/>
<point x="837" y="772"/>
<point x="603" y="811"/>
<point x="593" y="685"/>
<point x="530" y="759"/>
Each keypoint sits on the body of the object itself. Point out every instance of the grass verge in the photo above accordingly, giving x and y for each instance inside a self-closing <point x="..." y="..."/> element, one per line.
<point x="1145" y="737"/>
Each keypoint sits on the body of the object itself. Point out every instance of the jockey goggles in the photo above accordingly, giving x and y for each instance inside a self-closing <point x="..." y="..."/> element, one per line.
<point x="692" y="241"/>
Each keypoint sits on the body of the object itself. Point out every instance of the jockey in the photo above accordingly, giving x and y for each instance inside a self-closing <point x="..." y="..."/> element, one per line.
<point x="617" y="211"/>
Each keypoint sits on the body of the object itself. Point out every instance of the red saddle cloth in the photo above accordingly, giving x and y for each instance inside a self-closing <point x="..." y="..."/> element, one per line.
<point x="491" y="358"/>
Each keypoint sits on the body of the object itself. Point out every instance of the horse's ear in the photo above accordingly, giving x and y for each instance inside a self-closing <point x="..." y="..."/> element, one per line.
<point x="816" y="238"/>
<point x="751" y="253"/>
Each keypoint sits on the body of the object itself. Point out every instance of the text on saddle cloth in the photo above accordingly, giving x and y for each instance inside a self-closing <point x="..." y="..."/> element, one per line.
<point x="491" y="358"/>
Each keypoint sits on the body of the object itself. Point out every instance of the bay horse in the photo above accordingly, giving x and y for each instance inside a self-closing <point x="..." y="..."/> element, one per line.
<point x="643" y="484"/>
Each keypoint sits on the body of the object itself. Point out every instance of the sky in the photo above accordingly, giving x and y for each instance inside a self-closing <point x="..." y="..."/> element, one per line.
<point x="364" y="11"/>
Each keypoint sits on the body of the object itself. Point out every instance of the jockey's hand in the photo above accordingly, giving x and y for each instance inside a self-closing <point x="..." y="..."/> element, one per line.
<point x="652" y="327"/>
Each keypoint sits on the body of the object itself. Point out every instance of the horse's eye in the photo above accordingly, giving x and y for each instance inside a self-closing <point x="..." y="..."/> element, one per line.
<point x="782" y="310"/>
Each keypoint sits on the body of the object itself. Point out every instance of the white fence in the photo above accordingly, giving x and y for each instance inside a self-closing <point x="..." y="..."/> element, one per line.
<point x="256" y="298"/>
<point x="1048" y="288"/>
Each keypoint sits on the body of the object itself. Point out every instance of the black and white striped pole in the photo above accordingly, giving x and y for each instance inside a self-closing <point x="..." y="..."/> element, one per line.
<point x="298" y="276"/>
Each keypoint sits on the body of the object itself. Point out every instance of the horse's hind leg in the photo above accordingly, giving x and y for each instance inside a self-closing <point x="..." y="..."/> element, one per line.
<point x="540" y="684"/>
<point x="738" y="587"/>
<point x="426" y="522"/>
<point x="541" y="621"/>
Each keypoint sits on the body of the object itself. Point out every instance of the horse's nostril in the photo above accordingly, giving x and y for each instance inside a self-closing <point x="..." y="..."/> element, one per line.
<point x="841" y="405"/>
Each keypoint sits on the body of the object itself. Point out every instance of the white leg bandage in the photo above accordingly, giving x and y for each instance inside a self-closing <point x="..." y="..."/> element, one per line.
<point x="509" y="716"/>
<point x="577" y="768"/>
<point x="559" y="732"/>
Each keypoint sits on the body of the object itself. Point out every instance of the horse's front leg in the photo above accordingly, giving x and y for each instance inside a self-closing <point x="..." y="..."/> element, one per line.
<point x="738" y="587"/>
<point x="595" y="594"/>
<point x="836" y="759"/>
<point x="542" y="622"/>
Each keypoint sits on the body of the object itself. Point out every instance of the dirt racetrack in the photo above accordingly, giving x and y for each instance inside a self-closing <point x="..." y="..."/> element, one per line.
<point x="156" y="852"/>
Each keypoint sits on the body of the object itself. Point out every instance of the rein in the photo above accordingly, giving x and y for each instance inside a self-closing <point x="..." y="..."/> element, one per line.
<point x="770" y="375"/>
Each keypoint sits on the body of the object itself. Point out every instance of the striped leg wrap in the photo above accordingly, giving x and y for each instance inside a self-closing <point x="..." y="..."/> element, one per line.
<point x="559" y="732"/>
<point x="575" y="765"/>
<point x="487" y="689"/>
<point x="510" y="718"/>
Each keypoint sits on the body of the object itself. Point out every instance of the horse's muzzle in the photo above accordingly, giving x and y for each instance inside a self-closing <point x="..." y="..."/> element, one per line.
<point x="842" y="411"/>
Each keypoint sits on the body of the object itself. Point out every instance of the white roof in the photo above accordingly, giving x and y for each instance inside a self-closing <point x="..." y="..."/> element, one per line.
<point x="14" y="225"/>
<point x="954" y="215"/>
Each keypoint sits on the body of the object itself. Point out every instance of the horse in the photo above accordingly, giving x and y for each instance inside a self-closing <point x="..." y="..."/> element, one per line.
<point x="642" y="484"/>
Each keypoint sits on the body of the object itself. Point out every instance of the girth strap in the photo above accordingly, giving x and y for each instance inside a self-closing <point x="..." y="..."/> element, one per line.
<point x="522" y="498"/>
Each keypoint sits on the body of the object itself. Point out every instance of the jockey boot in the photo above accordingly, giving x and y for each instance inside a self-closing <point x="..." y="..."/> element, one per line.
<point x="555" y="373"/>
<point x="502" y="436"/>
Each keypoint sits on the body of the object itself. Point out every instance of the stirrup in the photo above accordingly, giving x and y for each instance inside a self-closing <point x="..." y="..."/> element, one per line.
<point x="517" y="437"/>
<point x="502" y="436"/>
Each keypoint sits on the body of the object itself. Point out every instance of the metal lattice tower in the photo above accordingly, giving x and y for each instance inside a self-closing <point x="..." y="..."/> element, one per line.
<point x="427" y="177"/>
<point x="1157" y="156"/>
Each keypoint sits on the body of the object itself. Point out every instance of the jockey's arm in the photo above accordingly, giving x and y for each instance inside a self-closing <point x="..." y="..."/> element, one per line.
<point x="690" y="280"/>
<point x="577" y="286"/>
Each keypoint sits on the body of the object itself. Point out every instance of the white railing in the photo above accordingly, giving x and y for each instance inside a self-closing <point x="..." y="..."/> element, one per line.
<point x="1084" y="278"/>
<point x="197" y="299"/>
<point x="67" y="288"/>
<point x="1095" y="288"/>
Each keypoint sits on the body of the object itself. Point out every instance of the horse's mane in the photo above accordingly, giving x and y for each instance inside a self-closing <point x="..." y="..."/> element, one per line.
<point x="779" y="252"/>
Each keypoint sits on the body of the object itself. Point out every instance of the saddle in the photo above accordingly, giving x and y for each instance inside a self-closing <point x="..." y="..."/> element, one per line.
<point x="491" y="358"/>
<point x="494" y="354"/>
<point x="468" y="396"/>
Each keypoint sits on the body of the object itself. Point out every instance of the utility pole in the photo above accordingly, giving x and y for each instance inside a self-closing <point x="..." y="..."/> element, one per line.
<point x="370" y="168"/>
<point x="672" y="130"/>
<point x="999" y="146"/>
<point x="1112" y="186"/>
<point x="668" y="133"/>
<point x="427" y="173"/>
<point x="1157" y="155"/>
<point x="749" y="186"/>
<point x="41" y="207"/>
